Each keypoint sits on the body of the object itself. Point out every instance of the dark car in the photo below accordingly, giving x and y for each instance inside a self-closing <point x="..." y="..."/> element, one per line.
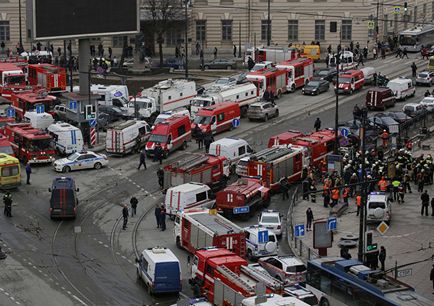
<point x="63" y="201"/>
<point x="325" y="74"/>
<point x="220" y="63"/>
<point x="315" y="87"/>
<point x="114" y="113"/>
<point x="173" y="62"/>
<point x="399" y="117"/>
<point x="355" y="125"/>
<point x="384" y="123"/>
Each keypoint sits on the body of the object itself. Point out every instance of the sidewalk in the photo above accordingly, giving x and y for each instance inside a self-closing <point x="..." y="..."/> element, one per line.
<point x="410" y="237"/>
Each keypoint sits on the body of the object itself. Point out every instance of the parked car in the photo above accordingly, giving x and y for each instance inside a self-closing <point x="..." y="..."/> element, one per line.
<point x="59" y="112"/>
<point x="114" y="112"/>
<point x="262" y="65"/>
<point x="413" y="109"/>
<point x="315" y="87"/>
<point x="399" y="117"/>
<point x="383" y="122"/>
<point x="225" y="82"/>
<point x="325" y="74"/>
<point x="425" y="78"/>
<point x="81" y="160"/>
<point x="271" y="220"/>
<point x="287" y="269"/>
<point x="173" y="62"/>
<point x="220" y="63"/>
<point x="262" y="110"/>
<point x="428" y="103"/>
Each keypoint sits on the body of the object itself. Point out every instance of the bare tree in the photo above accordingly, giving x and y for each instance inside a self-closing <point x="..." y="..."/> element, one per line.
<point x="163" y="15"/>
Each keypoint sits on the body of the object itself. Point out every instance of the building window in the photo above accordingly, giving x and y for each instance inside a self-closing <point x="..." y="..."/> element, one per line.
<point x="226" y="30"/>
<point x="201" y="30"/>
<point x="4" y="31"/>
<point x="264" y="30"/>
<point x="347" y="29"/>
<point x="118" y="41"/>
<point x="292" y="30"/>
<point x="319" y="30"/>
<point x="173" y="37"/>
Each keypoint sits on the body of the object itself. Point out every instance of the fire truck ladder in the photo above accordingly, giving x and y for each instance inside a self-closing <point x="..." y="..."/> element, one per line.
<point x="236" y="279"/>
<point x="263" y="277"/>
<point x="279" y="152"/>
<point x="190" y="161"/>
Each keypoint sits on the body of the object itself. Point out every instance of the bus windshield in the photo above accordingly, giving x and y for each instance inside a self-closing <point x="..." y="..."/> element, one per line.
<point x="407" y="40"/>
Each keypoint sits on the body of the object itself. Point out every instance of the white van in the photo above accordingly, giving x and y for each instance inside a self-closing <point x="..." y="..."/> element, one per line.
<point x="232" y="148"/>
<point x="39" y="120"/>
<point x="378" y="207"/>
<point x="127" y="136"/>
<point x="368" y="74"/>
<point x="160" y="270"/>
<point x="402" y="88"/>
<point x="116" y="95"/>
<point x="259" y="244"/>
<point x="185" y="196"/>
<point x="67" y="139"/>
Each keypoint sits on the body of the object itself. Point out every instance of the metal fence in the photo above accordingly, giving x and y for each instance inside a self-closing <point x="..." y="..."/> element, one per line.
<point x="298" y="247"/>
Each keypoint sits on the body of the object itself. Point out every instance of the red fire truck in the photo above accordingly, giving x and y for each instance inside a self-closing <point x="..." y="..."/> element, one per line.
<point x="276" y="163"/>
<point x="271" y="54"/>
<point x="318" y="144"/>
<point x="300" y="72"/>
<point x="274" y="78"/>
<point x="5" y="146"/>
<point x="30" y="144"/>
<point x="243" y="197"/>
<point x="226" y="279"/>
<point x="200" y="228"/>
<point x="12" y="78"/>
<point x="50" y="77"/>
<point x="27" y="100"/>
<point x="201" y="168"/>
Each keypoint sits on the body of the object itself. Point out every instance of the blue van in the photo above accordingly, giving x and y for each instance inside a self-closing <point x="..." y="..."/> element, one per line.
<point x="160" y="269"/>
<point x="63" y="200"/>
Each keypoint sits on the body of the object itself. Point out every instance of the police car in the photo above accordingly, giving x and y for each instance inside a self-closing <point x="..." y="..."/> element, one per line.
<point x="271" y="220"/>
<point x="80" y="160"/>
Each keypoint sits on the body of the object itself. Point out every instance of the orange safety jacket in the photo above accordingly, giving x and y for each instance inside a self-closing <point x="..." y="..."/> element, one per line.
<point x="359" y="200"/>
<point x="335" y="194"/>
<point x="382" y="184"/>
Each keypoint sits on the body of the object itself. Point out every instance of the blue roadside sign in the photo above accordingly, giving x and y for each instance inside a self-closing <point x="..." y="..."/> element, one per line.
<point x="40" y="108"/>
<point x="332" y="223"/>
<point x="241" y="210"/>
<point x="263" y="237"/>
<point x="10" y="112"/>
<point x="72" y="104"/>
<point x="92" y="122"/>
<point x="236" y="122"/>
<point x="299" y="230"/>
<point x="345" y="132"/>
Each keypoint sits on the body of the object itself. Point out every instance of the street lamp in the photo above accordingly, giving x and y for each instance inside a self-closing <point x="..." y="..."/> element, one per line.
<point x="269" y="24"/>
<point x="19" y="20"/>
<point x="338" y="58"/>
<point x="363" y="191"/>
<point x="186" y="3"/>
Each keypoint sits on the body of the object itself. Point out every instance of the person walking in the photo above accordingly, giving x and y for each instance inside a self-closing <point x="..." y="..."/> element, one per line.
<point x="208" y="139"/>
<point x="358" y="203"/>
<point x="235" y="51"/>
<point x="382" y="257"/>
<point x="7" y="200"/>
<point x="404" y="53"/>
<point x="158" y="153"/>
<point x="284" y="187"/>
<point x="142" y="159"/>
<point x="425" y="202"/>
<point x="157" y="213"/>
<point x="413" y="69"/>
<point x="360" y="61"/>
<point x="401" y="193"/>
<point x="199" y="136"/>
<point x="335" y="196"/>
<point x="215" y="52"/>
<point x="134" y="203"/>
<point x="431" y="277"/>
<point x="309" y="219"/>
<point x="160" y="175"/>
<point x="163" y="218"/>
<point x="125" y="216"/>
<point x="432" y="207"/>
<point x="317" y="124"/>
<point x="28" y="172"/>
<point x="202" y="61"/>
<point x="374" y="52"/>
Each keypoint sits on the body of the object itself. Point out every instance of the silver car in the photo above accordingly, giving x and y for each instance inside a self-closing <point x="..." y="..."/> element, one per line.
<point x="262" y="110"/>
<point x="425" y="78"/>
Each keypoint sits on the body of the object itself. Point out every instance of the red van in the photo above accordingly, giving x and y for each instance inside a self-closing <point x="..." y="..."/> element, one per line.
<point x="217" y="118"/>
<point x="171" y="134"/>
<point x="350" y="81"/>
<point x="380" y="98"/>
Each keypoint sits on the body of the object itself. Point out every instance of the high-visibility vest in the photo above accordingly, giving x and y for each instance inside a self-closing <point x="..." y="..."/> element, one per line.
<point x="382" y="185"/>
<point x="359" y="200"/>
<point x="346" y="192"/>
<point x="335" y="194"/>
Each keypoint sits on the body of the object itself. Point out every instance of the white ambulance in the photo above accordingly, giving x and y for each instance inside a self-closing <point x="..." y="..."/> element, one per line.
<point x="127" y="136"/>
<point x="67" y="138"/>
<point x="186" y="196"/>
<point x="38" y="120"/>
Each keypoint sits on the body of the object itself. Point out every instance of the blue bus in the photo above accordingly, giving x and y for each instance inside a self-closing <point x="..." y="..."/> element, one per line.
<point x="337" y="281"/>
<point x="413" y="39"/>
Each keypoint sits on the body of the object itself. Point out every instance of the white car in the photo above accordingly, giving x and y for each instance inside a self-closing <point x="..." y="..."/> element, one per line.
<point x="272" y="221"/>
<point x="287" y="269"/>
<point x="80" y="160"/>
<point x="428" y="102"/>
<point x="260" y="242"/>
<point x="225" y="82"/>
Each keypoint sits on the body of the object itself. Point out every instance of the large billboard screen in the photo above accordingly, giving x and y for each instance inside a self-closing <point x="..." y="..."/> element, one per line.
<point x="61" y="19"/>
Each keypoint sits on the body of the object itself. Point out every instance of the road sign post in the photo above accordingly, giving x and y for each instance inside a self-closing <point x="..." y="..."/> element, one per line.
<point x="40" y="108"/>
<point x="10" y="112"/>
<point x="236" y="123"/>
<point x="299" y="230"/>
<point x="345" y="132"/>
<point x="263" y="236"/>
<point x="241" y="210"/>
<point x="332" y="223"/>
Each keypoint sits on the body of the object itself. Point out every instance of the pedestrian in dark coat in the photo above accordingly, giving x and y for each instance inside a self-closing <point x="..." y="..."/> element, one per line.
<point x="157" y="213"/>
<point x="431" y="276"/>
<point x="158" y="153"/>
<point x="309" y="219"/>
<point x="425" y="202"/>
<point x="160" y="175"/>
<point x="404" y="53"/>
<point x="250" y="63"/>
<point x="142" y="159"/>
<point x="134" y="203"/>
<point x="207" y="141"/>
<point x="413" y="69"/>
<point x="432" y="207"/>
<point x="215" y="52"/>
<point x="125" y="216"/>
<point x="28" y="172"/>
<point x="284" y="187"/>
<point x="7" y="200"/>
<point x="235" y="51"/>
<point x="163" y="218"/>
<point x="317" y="124"/>
<point x="382" y="257"/>
<point x="199" y="136"/>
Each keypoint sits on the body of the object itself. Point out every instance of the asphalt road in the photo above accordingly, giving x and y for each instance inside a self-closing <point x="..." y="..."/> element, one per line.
<point x="90" y="261"/>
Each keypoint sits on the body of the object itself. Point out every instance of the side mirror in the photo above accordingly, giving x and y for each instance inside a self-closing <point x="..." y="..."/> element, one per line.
<point x="49" y="189"/>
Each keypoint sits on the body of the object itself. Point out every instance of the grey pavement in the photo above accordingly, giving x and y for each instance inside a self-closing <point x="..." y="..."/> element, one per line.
<point x="410" y="237"/>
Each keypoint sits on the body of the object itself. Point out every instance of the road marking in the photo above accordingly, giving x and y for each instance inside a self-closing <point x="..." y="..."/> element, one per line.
<point x="63" y="288"/>
<point x="12" y="298"/>
<point x="2" y="290"/>
<point x="106" y="245"/>
<point x="75" y="297"/>
<point x="7" y="293"/>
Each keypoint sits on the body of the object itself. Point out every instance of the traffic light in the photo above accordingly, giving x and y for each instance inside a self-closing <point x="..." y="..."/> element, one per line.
<point x="370" y="246"/>
<point x="405" y="6"/>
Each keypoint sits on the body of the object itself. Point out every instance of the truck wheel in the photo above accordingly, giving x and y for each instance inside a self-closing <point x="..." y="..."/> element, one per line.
<point x="244" y="112"/>
<point x="324" y="302"/>
<point x="184" y="145"/>
<point x="292" y="87"/>
<point x="250" y="255"/>
<point x="97" y="166"/>
<point x="266" y="118"/>
<point x="206" y="67"/>
<point x="351" y="92"/>
<point x="277" y="113"/>
<point x="178" y="243"/>
<point x="66" y="169"/>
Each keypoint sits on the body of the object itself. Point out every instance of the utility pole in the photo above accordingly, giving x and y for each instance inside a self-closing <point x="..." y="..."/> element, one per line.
<point x="338" y="59"/>
<point x="376" y="22"/>
<point x="363" y="193"/>
<point x="20" y="26"/>
<point x="186" y="2"/>
<point x="239" y="40"/>
<point x="269" y="24"/>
